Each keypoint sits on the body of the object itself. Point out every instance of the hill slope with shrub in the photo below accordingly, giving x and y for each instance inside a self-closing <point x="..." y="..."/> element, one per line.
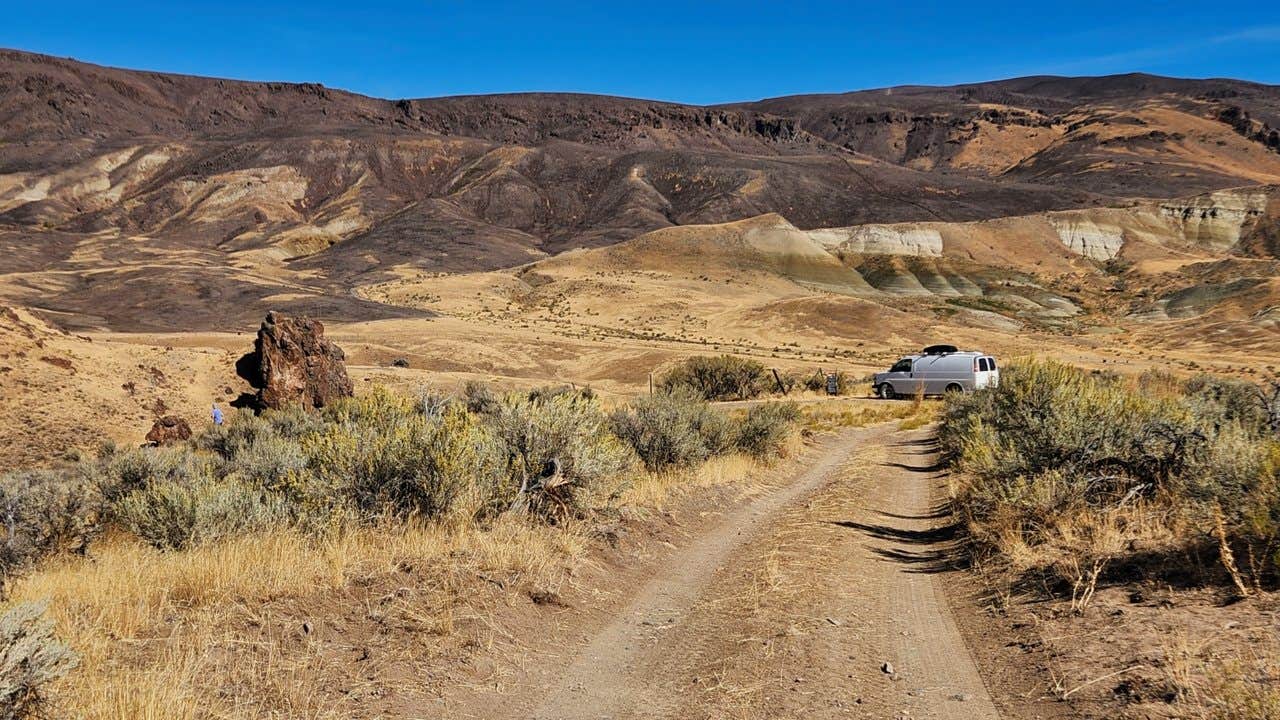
<point x="1150" y="492"/>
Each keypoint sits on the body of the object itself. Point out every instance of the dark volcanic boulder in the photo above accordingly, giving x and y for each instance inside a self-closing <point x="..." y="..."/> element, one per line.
<point x="292" y="363"/>
<point x="169" y="429"/>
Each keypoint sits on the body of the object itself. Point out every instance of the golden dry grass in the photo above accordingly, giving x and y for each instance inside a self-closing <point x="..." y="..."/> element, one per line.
<point x="829" y="415"/>
<point x="1217" y="683"/>
<point x="657" y="490"/>
<point x="155" y="628"/>
<point x="1246" y="687"/>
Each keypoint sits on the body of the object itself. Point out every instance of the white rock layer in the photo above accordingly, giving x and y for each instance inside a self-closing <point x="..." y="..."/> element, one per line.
<point x="882" y="240"/>
<point x="1094" y="240"/>
<point x="1216" y="219"/>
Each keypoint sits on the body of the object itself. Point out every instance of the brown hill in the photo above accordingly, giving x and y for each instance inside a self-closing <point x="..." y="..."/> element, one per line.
<point x="115" y="183"/>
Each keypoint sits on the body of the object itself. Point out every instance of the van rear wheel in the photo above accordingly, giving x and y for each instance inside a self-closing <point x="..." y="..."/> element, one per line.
<point x="885" y="391"/>
<point x="954" y="388"/>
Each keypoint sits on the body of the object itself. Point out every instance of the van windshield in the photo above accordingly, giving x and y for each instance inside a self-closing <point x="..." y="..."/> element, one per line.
<point x="903" y="365"/>
<point x="991" y="363"/>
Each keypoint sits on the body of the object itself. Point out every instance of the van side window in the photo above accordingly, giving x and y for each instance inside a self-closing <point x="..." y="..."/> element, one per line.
<point x="983" y="365"/>
<point x="903" y="365"/>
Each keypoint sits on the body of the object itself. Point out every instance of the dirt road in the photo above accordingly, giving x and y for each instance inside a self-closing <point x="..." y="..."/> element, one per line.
<point x="821" y="599"/>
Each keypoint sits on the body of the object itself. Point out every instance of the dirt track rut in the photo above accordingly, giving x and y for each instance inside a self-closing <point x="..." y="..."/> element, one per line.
<point x="790" y="605"/>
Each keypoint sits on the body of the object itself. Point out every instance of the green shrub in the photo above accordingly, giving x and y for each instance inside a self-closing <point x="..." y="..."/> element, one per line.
<point x="383" y="454"/>
<point x="265" y="450"/>
<point x="268" y="461"/>
<point x="1237" y="401"/>
<point x="1047" y="415"/>
<point x="764" y="430"/>
<point x="240" y="430"/>
<point x="675" y="429"/>
<point x="44" y="511"/>
<point x="717" y="378"/>
<point x="561" y="458"/>
<point x="30" y="659"/>
<point x="1054" y="449"/>
<point x="175" y="514"/>
<point x="119" y="472"/>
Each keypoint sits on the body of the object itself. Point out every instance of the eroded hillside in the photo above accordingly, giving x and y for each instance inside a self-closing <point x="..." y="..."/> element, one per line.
<point x="257" y="194"/>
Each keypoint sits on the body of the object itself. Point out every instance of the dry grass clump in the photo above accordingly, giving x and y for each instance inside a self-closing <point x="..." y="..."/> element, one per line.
<point x="655" y="490"/>
<point x="1245" y="688"/>
<point x="1065" y="473"/>
<point x="829" y="415"/>
<point x="161" y="632"/>
<point x="1213" y="684"/>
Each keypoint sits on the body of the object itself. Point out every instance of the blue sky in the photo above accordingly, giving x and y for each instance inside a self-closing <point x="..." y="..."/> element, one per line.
<point x="690" y="52"/>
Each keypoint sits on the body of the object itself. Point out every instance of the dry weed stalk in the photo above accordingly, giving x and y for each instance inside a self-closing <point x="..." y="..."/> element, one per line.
<point x="1225" y="553"/>
<point x="1085" y="583"/>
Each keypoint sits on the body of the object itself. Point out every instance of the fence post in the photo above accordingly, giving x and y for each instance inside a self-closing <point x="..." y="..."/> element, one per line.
<point x="778" y="379"/>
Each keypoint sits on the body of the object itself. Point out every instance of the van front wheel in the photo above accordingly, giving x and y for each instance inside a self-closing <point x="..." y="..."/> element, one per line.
<point x="885" y="391"/>
<point x="954" y="388"/>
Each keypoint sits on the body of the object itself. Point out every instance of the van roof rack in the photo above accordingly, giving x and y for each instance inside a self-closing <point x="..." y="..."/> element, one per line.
<point x="939" y="349"/>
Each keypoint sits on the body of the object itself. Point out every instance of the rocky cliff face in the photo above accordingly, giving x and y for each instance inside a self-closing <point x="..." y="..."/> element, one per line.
<point x="1218" y="219"/>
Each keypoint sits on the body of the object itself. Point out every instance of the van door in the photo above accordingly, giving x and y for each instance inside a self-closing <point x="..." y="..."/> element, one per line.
<point x="900" y="376"/>
<point x="939" y="371"/>
<point x="922" y="378"/>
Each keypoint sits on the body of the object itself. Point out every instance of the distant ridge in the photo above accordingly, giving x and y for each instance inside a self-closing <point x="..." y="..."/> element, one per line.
<point x="252" y="182"/>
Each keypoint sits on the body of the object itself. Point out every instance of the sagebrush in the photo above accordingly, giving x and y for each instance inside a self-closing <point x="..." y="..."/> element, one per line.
<point x="724" y="377"/>
<point x="674" y="429"/>
<point x="551" y="453"/>
<point x="30" y="659"/>
<point x="1064" y="470"/>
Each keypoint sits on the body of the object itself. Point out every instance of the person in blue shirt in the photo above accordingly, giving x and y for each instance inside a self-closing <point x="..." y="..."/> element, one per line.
<point x="217" y="415"/>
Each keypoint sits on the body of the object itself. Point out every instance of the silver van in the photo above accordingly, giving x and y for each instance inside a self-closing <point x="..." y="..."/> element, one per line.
<point x="938" y="369"/>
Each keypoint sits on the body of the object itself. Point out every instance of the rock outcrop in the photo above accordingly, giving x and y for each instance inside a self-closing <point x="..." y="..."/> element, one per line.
<point x="292" y="363"/>
<point x="1217" y="219"/>
<point x="169" y="429"/>
<point x="903" y="239"/>
<point x="1099" y="241"/>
